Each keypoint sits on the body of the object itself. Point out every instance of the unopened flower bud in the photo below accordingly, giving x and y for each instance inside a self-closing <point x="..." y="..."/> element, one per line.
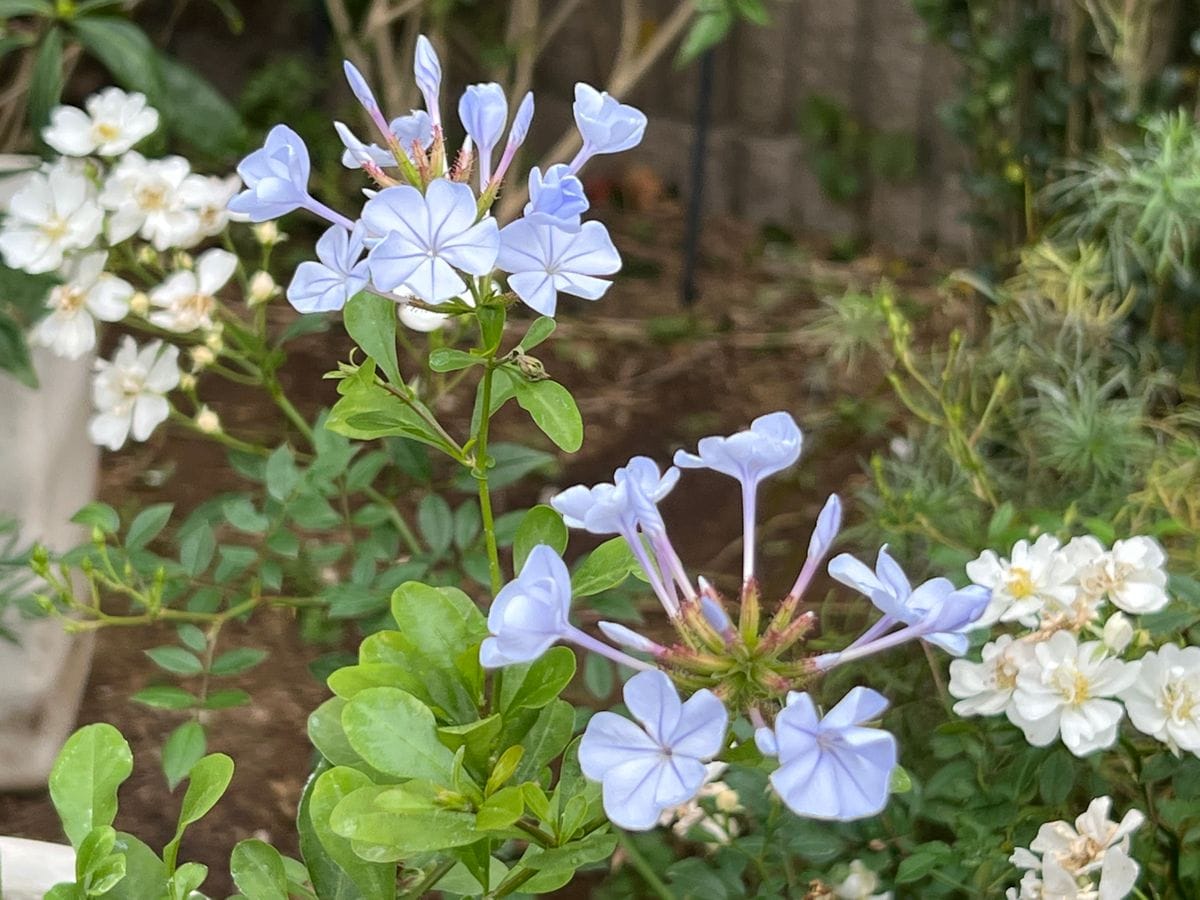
<point x="262" y="288"/>
<point x="727" y="800"/>
<point x="1118" y="632"/>
<point x="268" y="234"/>
<point x="139" y="304"/>
<point x="147" y="255"/>
<point x="213" y="340"/>
<point x="39" y="560"/>
<point x="531" y="367"/>
<point x="202" y="357"/>
<point x="187" y="382"/>
<point x="207" y="421"/>
<point x="183" y="260"/>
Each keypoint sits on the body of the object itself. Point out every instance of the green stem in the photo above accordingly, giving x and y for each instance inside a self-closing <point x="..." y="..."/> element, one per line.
<point x="275" y="389"/>
<point x="481" y="477"/>
<point x="402" y="527"/>
<point x="220" y="437"/>
<point x="427" y="883"/>
<point x="642" y="866"/>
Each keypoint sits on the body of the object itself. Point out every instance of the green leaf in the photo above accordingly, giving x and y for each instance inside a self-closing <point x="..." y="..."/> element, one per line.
<point x="92" y="764"/>
<point x="145" y="873"/>
<point x="436" y="522"/>
<point x="207" y="782"/>
<point x="176" y="660"/>
<point x="396" y="733"/>
<point x="14" y="352"/>
<point x="325" y="792"/>
<point x="533" y="685"/>
<point x="164" y="696"/>
<point x="448" y="359"/>
<point x="598" y="676"/>
<point x="182" y="750"/>
<point x="604" y="568"/>
<point x="541" y="525"/>
<point x="401" y="821"/>
<point x="125" y="51"/>
<point x="436" y="627"/>
<point x="550" y="734"/>
<point x="923" y="860"/>
<point x="478" y="737"/>
<point x="93" y="851"/>
<point x="10" y="9"/>
<point x="240" y="513"/>
<point x="147" y="524"/>
<point x="187" y="878"/>
<point x="46" y="81"/>
<point x="552" y="409"/>
<point x="367" y="410"/>
<point x="226" y="699"/>
<point x="197" y="549"/>
<point x="708" y="29"/>
<point x="192" y="637"/>
<point x="195" y="111"/>
<point x="371" y="322"/>
<point x="541" y="328"/>
<point x="257" y="870"/>
<point x="239" y="660"/>
<point x="281" y="474"/>
<point x="98" y="515"/>
<point x="1056" y="777"/>
<point x="467" y="524"/>
<point x="500" y="810"/>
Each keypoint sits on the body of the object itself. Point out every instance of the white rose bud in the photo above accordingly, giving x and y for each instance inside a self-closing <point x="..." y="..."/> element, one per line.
<point x="1117" y="633"/>
<point x="183" y="260"/>
<point x="213" y="340"/>
<point x="187" y="382"/>
<point x="202" y="357"/>
<point x="207" y="421"/>
<point x="262" y="288"/>
<point x="139" y="304"/>
<point x="267" y="234"/>
<point x="147" y="255"/>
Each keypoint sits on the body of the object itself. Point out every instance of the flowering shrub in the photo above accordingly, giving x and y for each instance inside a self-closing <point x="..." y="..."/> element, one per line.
<point x="448" y="759"/>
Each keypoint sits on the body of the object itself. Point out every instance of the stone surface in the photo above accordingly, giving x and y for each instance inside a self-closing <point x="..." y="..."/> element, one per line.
<point x="47" y="472"/>
<point x="28" y="869"/>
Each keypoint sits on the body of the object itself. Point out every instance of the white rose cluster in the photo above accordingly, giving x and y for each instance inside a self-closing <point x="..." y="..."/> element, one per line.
<point x="1065" y="676"/>
<point x="1087" y="861"/>
<point x="88" y="210"/>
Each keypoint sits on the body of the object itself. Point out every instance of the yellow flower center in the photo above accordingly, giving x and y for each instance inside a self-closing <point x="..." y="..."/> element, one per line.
<point x="105" y="131"/>
<point x="153" y="197"/>
<point x="1072" y="684"/>
<point x="55" y="228"/>
<point x="1180" y="702"/>
<point x="1019" y="584"/>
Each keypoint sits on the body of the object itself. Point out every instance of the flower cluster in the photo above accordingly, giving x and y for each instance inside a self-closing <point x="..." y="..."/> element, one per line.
<point x="425" y="236"/>
<point x="1065" y="675"/>
<point x="834" y="764"/>
<point x="103" y="208"/>
<point x="1089" y="861"/>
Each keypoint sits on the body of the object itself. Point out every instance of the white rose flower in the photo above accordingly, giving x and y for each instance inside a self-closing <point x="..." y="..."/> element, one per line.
<point x="187" y="300"/>
<point x="1064" y="689"/>
<point x="1164" y="702"/>
<point x="113" y="123"/>
<point x="146" y="198"/>
<point x="55" y="212"/>
<point x="860" y="884"/>
<point x="86" y="294"/>
<point x="129" y="392"/>
<point x="986" y="688"/>
<point x="1033" y="577"/>
<point x="1133" y="576"/>
<point x="1118" y="633"/>
<point x="209" y="196"/>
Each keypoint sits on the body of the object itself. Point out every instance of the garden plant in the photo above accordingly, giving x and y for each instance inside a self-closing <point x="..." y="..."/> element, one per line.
<point x="766" y="746"/>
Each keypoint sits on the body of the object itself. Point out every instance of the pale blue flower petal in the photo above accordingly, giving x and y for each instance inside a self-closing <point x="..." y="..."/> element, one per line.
<point x="529" y="613"/>
<point x="276" y="177"/>
<point x="653" y="701"/>
<point x="483" y="111"/>
<point x="528" y="250"/>
<point x="556" y="198"/>
<point x="771" y="444"/>
<point x="427" y="69"/>
<point x="606" y="125"/>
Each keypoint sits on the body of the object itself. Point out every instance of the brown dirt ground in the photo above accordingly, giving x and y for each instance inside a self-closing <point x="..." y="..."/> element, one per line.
<point x="647" y="382"/>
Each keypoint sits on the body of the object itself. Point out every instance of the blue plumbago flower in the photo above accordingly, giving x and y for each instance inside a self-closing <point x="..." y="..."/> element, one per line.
<point x="771" y="445"/>
<point x="556" y="198"/>
<point x="832" y="767"/>
<point x="340" y="274"/>
<point x="628" y="507"/>
<point x="428" y="238"/>
<point x="276" y="178"/>
<point x="516" y="136"/>
<point x="483" y="110"/>
<point x="543" y="260"/>
<point x="428" y="71"/>
<point x="415" y="128"/>
<point x="644" y="770"/>
<point x="530" y="614"/>
<point x="935" y="610"/>
<point x="363" y="93"/>
<point x="606" y="125"/>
